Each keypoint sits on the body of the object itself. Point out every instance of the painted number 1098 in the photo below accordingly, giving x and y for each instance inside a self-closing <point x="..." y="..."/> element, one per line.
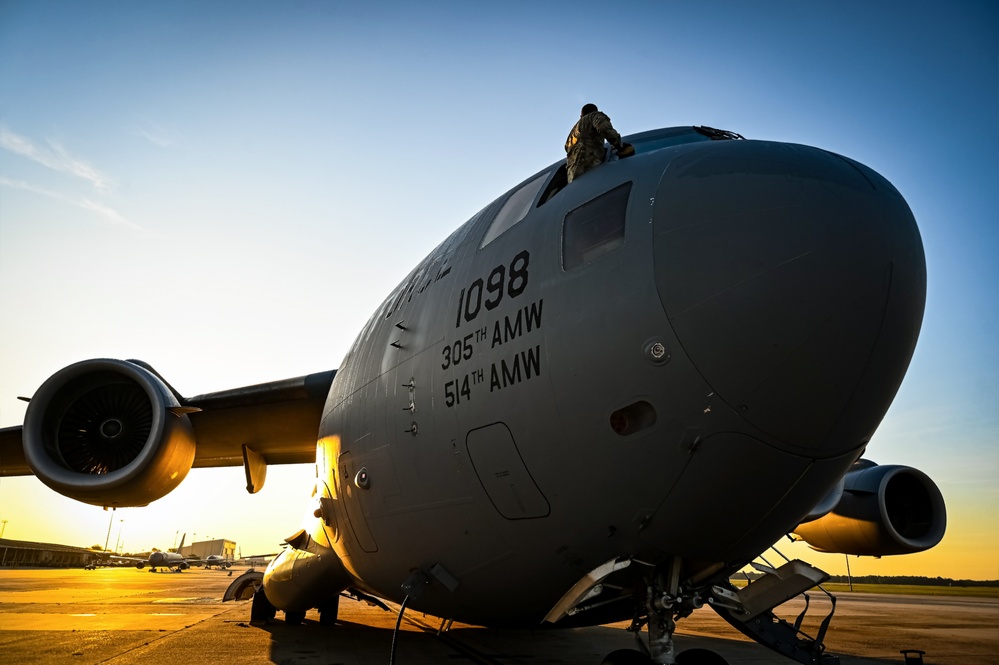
<point x="490" y="292"/>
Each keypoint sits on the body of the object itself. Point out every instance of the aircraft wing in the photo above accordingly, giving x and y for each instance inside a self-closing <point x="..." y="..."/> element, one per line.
<point x="12" y="462"/>
<point x="278" y="421"/>
<point x="128" y="559"/>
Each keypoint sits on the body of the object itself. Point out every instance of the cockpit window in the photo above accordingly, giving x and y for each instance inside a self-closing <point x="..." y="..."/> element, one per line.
<point x="657" y="140"/>
<point x="557" y="184"/>
<point x="514" y="210"/>
<point x="595" y="228"/>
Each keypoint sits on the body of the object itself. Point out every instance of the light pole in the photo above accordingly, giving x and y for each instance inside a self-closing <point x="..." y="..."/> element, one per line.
<point x="108" y="538"/>
<point x="3" y="527"/>
<point x="118" y="542"/>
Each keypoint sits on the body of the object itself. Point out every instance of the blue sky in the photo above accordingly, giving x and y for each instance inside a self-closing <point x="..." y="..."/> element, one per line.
<point x="228" y="190"/>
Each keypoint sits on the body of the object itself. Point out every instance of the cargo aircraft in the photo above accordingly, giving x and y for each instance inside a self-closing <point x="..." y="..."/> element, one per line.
<point x="217" y="560"/>
<point x="174" y="560"/>
<point x="592" y="402"/>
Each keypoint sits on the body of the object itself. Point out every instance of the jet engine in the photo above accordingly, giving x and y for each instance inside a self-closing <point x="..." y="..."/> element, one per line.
<point x="108" y="433"/>
<point x="883" y="510"/>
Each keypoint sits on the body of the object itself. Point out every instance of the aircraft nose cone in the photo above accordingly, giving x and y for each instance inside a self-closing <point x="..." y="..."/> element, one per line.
<point x="794" y="280"/>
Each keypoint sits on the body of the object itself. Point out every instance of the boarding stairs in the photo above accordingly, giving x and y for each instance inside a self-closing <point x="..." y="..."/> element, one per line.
<point x="750" y="610"/>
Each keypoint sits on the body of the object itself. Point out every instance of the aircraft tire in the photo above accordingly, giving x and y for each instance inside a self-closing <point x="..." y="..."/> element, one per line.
<point x="699" y="657"/>
<point x="261" y="610"/>
<point x="626" y="657"/>
<point x="328" y="612"/>
<point x="294" y="618"/>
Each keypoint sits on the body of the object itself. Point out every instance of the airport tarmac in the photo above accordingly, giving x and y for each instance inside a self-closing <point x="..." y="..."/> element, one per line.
<point x="122" y="615"/>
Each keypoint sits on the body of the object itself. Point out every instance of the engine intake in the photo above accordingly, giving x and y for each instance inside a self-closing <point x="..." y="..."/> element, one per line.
<point x="883" y="510"/>
<point x="108" y="433"/>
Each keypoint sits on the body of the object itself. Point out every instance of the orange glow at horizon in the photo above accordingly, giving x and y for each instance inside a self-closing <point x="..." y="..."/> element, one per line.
<point x="214" y="501"/>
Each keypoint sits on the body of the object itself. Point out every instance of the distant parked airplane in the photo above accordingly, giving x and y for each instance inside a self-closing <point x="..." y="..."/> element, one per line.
<point x="217" y="560"/>
<point x="170" y="560"/>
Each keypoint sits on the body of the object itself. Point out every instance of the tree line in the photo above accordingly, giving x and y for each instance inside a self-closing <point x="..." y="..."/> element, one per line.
<point x="913" y="580"/>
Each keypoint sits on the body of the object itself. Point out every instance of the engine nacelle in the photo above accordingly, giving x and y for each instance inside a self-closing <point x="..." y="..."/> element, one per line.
<point x="883" y="510"/>
<point x="108" y="433"/>
<point x="298" y="580"/>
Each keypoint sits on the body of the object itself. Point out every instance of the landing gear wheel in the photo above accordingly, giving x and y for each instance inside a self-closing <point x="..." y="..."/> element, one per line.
<point x="294" y="618"/>
<point x="261" y="611"/>
<point x="328" y="612"/>
<point x="699" y="657"/>
<point x="626" y="657"/>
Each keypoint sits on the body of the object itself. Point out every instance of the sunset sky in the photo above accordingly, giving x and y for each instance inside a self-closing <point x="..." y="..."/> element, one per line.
<point x="228" y="190"/>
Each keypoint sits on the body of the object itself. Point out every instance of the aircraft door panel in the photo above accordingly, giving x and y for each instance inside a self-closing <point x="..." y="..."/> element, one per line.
<point x="503" y="474"/>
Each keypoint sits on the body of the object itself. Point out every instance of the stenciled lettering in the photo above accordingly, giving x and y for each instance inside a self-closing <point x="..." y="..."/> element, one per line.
<point x="513" y="327"/>
<point x="524" y="366"/>
<point x="460" y="390"/>
<point x="501" y="282"/>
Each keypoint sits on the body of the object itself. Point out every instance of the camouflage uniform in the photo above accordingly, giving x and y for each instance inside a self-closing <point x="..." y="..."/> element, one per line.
<point x="585" y="145"/>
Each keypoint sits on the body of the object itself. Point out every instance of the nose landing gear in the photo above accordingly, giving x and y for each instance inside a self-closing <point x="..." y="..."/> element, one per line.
<point x="665" y="602"/>
<point x="659" y="601"/>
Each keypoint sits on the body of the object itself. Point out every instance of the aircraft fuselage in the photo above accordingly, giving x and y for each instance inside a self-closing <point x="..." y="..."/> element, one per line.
<point x="675" y="356"/>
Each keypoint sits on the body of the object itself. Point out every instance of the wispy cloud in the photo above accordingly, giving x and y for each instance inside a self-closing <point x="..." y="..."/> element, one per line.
<point x="28" y="187"/>
<point x="53" y="156"/>
<point x="106" y="212"/>
<point x="156" y="134"/>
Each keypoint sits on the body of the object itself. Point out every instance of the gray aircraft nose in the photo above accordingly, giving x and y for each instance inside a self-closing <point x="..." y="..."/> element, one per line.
<point x="794" y="280"/>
